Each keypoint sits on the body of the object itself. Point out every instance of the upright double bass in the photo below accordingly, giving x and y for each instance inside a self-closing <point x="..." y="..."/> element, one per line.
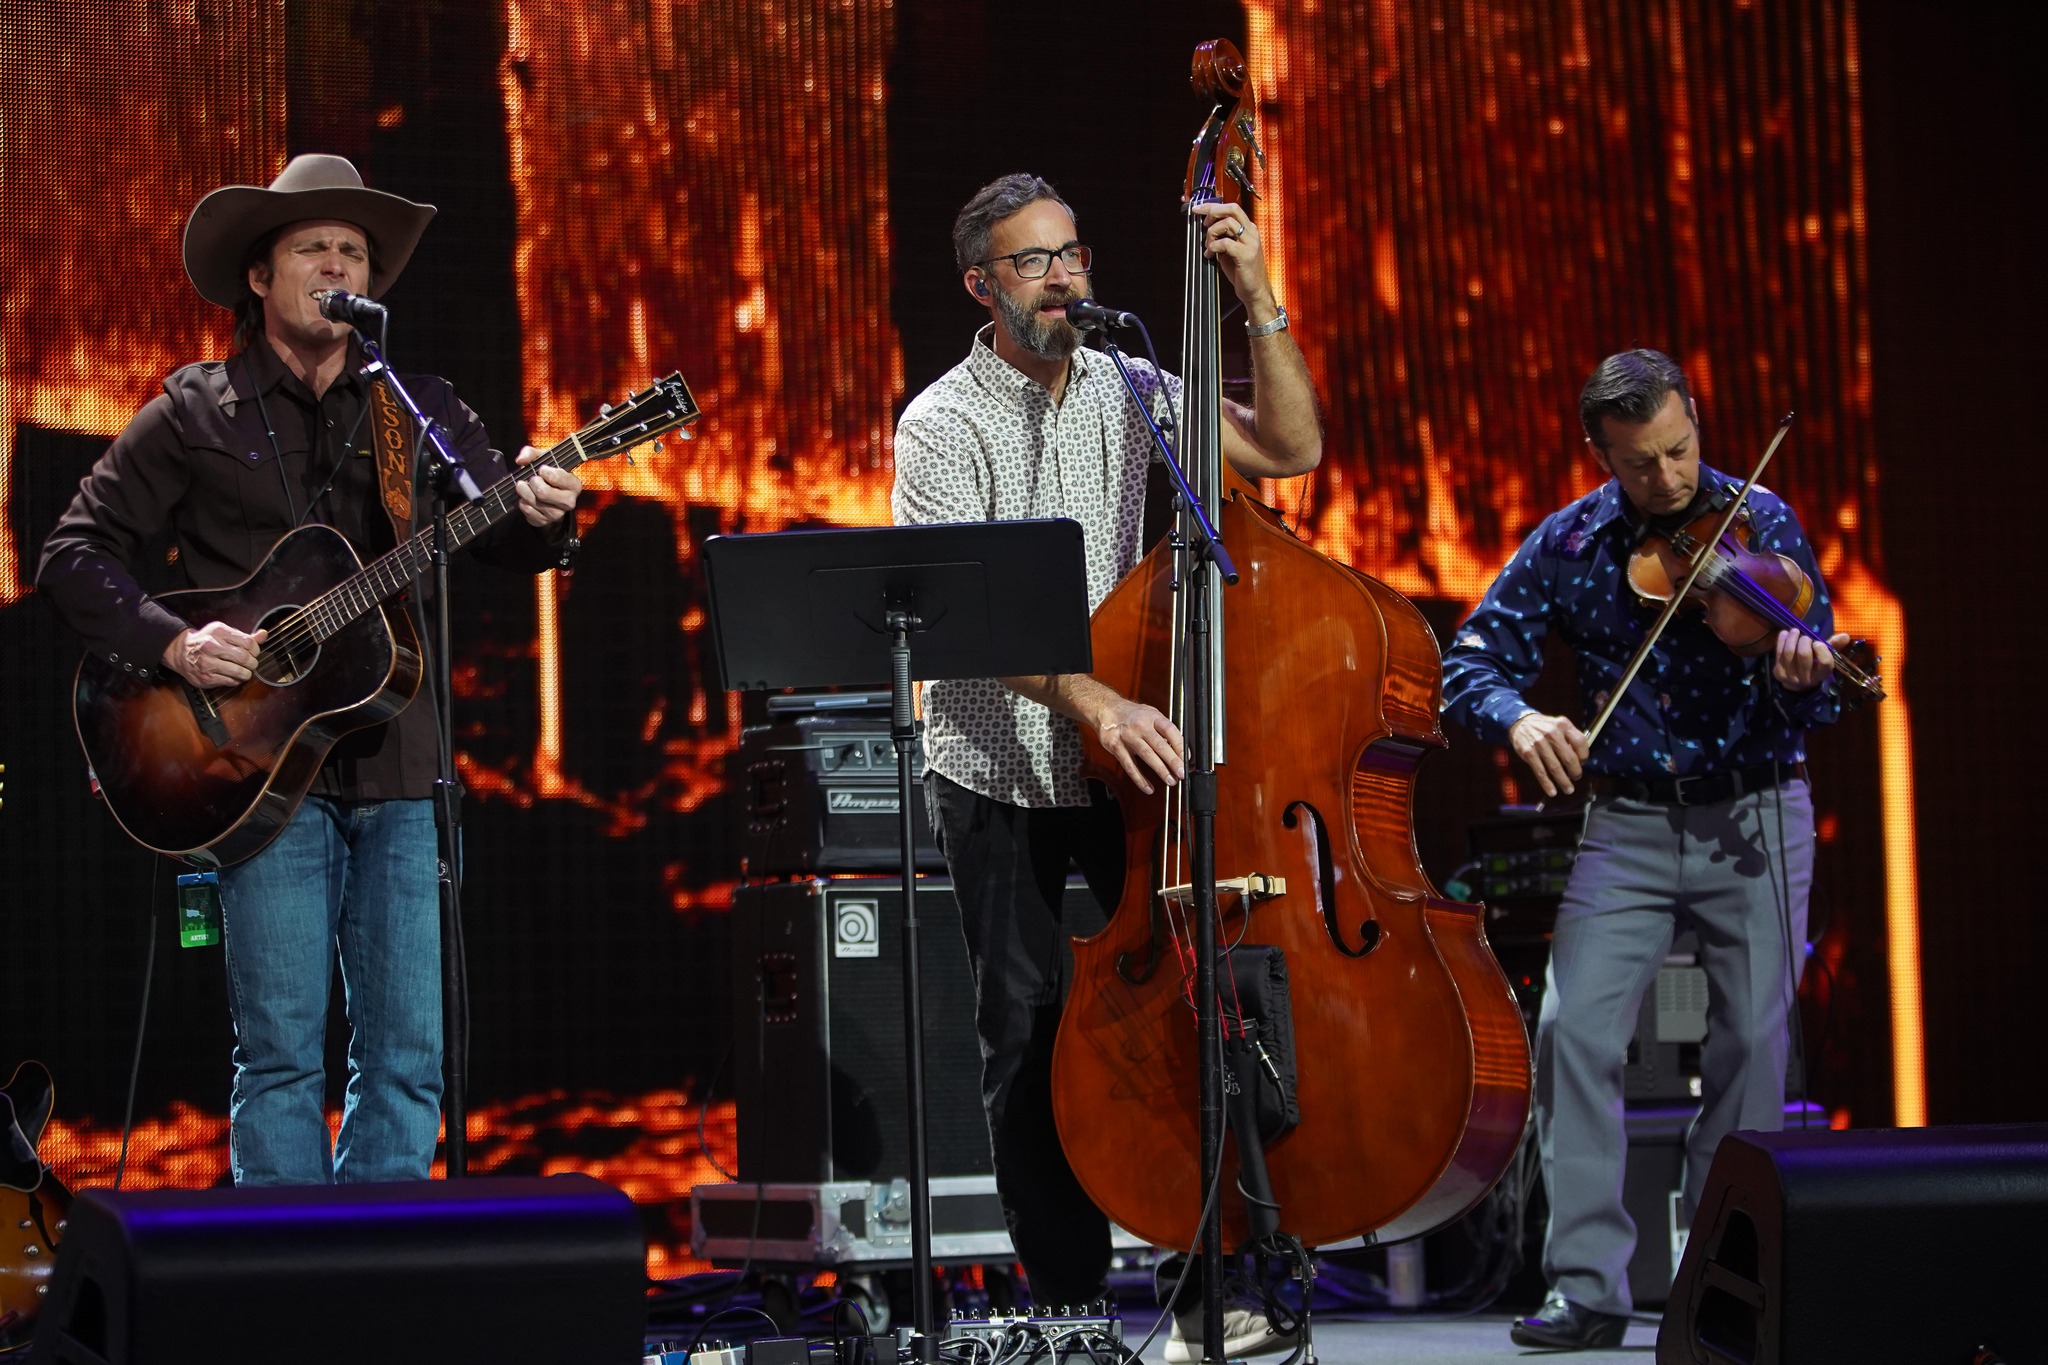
<point x="1412" y="1066"/>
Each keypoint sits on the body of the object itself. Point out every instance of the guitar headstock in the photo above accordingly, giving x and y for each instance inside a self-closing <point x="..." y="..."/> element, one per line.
<point x="661" y="407"/>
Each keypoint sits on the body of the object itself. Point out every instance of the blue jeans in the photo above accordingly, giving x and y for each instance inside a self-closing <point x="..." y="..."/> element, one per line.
<point x="360" y="875"/>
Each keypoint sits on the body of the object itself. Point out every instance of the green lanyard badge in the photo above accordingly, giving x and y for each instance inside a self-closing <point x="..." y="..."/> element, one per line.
<point x="198" y="909"/>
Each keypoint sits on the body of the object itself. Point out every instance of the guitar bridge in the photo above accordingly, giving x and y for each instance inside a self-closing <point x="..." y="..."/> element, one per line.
<point x="208" y="716"/>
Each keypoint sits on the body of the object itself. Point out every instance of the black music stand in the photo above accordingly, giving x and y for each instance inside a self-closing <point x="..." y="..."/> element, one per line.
<point x="839" y="608"/>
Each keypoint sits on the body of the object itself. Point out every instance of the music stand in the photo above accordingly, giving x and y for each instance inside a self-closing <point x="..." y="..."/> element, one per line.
<point x="839" y="608"/>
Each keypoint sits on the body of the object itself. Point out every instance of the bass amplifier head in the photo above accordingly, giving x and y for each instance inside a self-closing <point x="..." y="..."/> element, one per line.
<point x="818" y="794"/>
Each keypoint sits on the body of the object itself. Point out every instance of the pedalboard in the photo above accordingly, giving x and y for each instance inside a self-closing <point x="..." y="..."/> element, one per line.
<point x="1052" y="1327"/>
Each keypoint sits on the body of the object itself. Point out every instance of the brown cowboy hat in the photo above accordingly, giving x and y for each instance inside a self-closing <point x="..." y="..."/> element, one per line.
<point x="228" y="221"/>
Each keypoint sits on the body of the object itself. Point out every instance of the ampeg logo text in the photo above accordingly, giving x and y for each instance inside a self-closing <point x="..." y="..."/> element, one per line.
<point x="855" y="932"/>
<point x="844" y="802"/>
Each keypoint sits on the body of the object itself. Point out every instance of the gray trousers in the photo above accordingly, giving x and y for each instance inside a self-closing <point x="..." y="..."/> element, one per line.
<point x="1737" y="873"/>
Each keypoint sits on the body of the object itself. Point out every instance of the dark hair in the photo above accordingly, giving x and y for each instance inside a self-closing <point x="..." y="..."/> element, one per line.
<point x="991" y="204"/>
<point x="249" y="307"/>
<point x="1630" y="386"/>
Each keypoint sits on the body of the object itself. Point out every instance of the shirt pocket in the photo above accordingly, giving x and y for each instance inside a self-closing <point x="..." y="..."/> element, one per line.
<point x="246" y="484"/>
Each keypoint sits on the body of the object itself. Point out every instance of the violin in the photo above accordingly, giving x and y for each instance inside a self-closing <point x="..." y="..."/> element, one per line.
<point x="1748" y="596"/>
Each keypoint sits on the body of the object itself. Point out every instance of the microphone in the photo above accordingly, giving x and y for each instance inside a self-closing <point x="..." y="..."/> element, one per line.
<point x="338" y="305"/>
<point x="1090" y="316"/>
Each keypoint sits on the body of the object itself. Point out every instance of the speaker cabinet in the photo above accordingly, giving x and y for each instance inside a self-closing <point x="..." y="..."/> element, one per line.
<point x="491" y="1271"/>
<point x="1914" y="1244"/>
<point x="818" y="1065"/>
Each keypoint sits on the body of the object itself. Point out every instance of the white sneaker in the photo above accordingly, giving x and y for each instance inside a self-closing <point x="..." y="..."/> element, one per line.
<point x="1245" y="1333"/>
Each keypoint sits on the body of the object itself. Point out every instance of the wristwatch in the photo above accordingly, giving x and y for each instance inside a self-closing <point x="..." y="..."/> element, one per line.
<point x="1266" y="329"/>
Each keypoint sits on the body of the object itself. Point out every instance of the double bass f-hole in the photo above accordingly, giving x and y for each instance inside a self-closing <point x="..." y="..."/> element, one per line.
<point x="1316" y="835"/>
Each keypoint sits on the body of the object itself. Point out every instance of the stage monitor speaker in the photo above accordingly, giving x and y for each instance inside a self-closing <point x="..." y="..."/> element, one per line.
<point x="491" y="1271"/>
<point x="1911" y="1244"/>
<point x="817" y="998"/>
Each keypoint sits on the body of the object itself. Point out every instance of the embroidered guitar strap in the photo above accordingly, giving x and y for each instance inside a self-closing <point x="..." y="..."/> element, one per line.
<point x="393" y="435"/>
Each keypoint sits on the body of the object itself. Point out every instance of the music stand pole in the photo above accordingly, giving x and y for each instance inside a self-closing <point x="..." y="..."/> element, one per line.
<point x="901" y="621"/>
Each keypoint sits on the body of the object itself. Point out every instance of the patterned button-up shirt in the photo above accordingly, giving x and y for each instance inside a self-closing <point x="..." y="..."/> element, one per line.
<point x="987" y="443"/>
<point x="1695" y="707"/>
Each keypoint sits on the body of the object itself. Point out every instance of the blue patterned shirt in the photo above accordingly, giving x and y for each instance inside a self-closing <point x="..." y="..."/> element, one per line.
<point x="1695" y="707"/>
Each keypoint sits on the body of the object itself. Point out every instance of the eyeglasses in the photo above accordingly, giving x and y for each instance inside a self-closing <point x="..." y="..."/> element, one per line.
<point x="1033" y="262"/>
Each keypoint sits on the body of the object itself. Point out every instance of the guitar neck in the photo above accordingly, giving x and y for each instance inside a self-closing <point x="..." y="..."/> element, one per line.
<point x="389" y="574"/>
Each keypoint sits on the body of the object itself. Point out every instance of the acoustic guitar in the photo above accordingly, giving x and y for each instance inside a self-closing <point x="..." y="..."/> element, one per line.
<point x="33" y="1202"/>
<point x="210" y="775"/>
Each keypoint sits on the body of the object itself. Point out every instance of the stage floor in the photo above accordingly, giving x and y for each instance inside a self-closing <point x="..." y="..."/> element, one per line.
<point x="1481" y="1339"/>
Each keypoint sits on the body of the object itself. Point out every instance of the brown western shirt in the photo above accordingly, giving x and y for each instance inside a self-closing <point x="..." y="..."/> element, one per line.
<point x="198" y="468"/>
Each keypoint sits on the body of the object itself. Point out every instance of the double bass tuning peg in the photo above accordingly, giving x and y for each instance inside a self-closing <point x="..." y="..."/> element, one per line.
<point x="1243" y="124"/>
<point x="1234" y="167"/>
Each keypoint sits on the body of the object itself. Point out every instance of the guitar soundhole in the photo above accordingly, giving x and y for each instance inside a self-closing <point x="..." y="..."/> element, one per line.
<point x="289" y="651"/>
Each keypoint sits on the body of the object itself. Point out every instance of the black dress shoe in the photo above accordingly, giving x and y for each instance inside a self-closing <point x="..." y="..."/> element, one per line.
<point x="1561" y="1325"/>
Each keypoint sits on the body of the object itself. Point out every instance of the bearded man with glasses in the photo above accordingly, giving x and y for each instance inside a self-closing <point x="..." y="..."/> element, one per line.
<point x="1032" y="425"/>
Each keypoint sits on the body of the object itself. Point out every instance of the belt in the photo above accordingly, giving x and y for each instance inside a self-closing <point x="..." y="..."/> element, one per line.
<point x="1700" y="789"/>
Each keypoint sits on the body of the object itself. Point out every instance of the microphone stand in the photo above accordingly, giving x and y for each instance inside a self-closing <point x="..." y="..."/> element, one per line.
<point x="445" y="470"/>
<point x="1207" y="556"/>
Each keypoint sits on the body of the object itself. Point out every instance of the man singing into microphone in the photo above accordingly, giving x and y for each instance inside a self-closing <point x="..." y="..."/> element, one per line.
<point x="229" y="458"/>
<point x="1031" y="425"/>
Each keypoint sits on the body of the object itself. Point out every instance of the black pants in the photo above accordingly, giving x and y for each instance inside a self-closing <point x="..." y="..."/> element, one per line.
<point x="1009" y="867"/>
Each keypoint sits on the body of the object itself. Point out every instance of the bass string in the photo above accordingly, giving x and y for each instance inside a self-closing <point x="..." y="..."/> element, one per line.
<point x="1202" y="460"/>
<point x="1172" y="846"/>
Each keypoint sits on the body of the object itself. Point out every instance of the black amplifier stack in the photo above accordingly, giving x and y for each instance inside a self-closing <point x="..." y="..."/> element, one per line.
<point x="814" y="790"/>
<point x="817" y="955"/>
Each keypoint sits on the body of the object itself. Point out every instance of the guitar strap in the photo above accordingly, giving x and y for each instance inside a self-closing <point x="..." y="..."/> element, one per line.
<point x="392" y="433"/>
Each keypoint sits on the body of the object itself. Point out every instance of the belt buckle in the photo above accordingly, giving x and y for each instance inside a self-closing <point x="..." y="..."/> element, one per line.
<point x="1678" y="789"/>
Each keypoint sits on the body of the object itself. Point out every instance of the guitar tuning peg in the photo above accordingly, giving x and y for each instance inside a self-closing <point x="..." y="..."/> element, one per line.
<point x="657" y="447"/>
<point x="631" y="461"/>
<point x="687" y="434"/>
<point x="604" y="409"/>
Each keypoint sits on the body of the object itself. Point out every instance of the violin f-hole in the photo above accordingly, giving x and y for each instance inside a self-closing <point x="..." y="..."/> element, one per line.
<point x="1317" y="835"/>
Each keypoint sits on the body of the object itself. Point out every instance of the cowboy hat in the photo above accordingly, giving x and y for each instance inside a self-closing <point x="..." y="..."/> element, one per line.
<point x="228" y="221"/>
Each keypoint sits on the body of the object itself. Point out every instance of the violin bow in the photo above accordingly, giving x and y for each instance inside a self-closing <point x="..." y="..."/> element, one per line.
<point x="1699" y="564"/>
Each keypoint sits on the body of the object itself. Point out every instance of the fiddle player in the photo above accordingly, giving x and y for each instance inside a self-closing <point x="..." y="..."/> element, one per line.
<point x="1699" y="817"/>
<point x="231" y="456"/>
<point x="1030" y="424"/>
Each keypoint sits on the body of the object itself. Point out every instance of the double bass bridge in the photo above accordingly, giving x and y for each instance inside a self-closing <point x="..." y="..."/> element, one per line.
<point x="1256" y="886"/>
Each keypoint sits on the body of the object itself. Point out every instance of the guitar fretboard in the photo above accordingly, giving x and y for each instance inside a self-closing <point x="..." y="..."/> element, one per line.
<point x="389" y="574"/>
